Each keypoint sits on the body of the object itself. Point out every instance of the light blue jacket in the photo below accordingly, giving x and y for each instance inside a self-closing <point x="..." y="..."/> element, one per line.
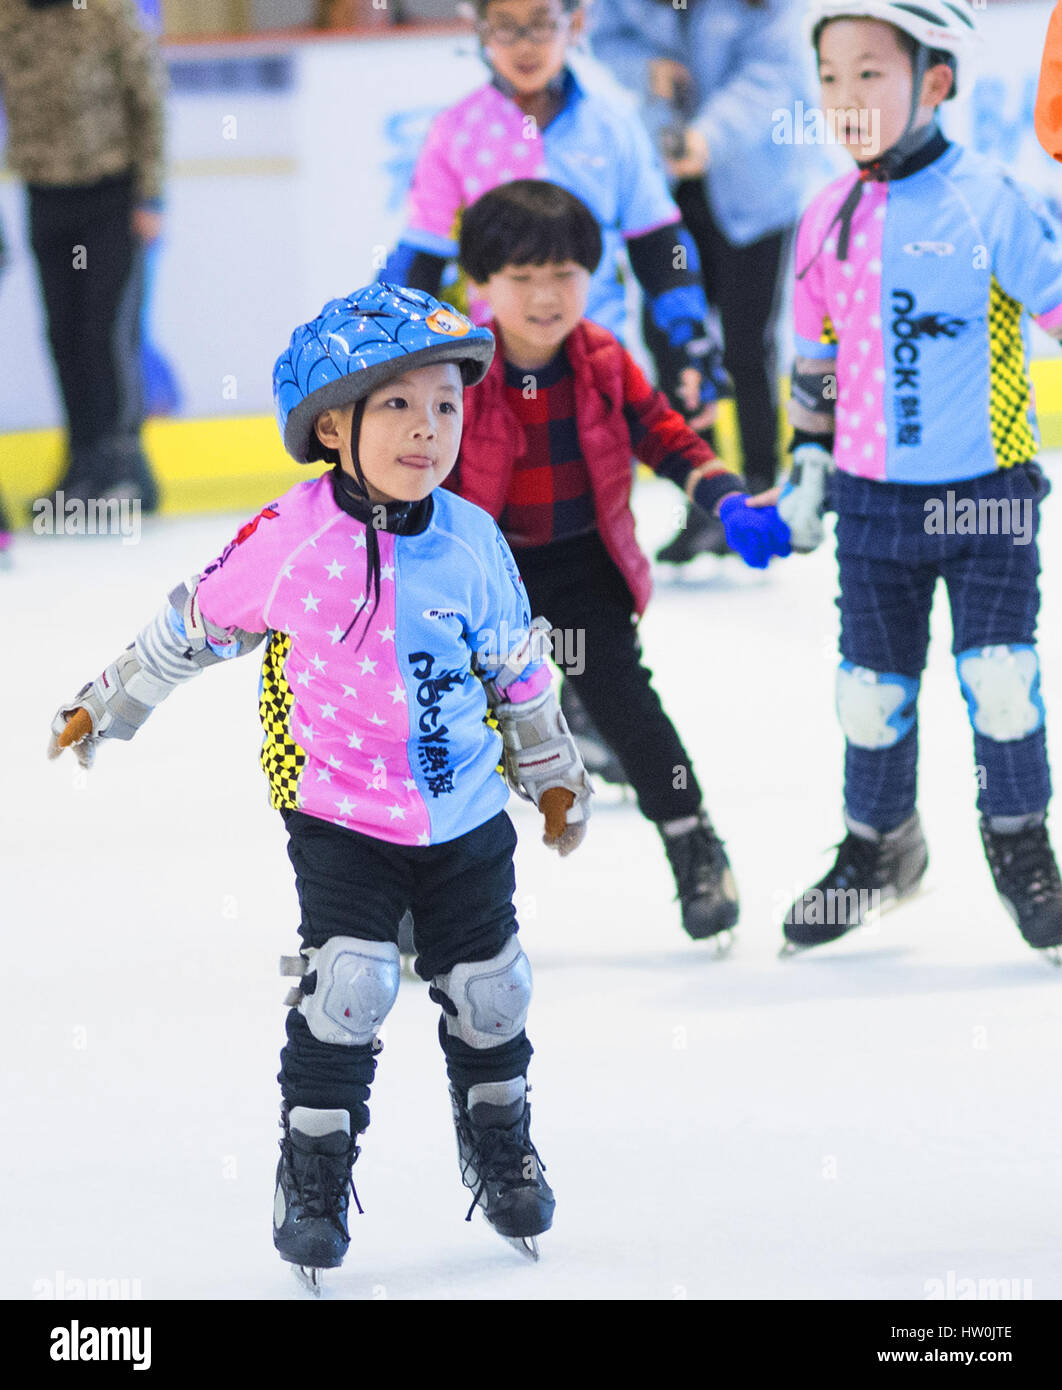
<point x="748" y="65"/>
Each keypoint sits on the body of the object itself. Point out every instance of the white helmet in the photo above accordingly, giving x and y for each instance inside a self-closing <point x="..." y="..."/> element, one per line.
<point x="943" y="26"/>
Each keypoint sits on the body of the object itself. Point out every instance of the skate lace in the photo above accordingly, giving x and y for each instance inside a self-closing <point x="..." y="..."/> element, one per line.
<point x="857" y="863"/>
<point x="497" y="1155"/>
<point x="1028" y="864"/>
<point x="697" y="859"/>
<point x="322" y="1186"/>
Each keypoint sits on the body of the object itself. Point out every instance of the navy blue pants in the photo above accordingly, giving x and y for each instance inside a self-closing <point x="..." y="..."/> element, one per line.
<point x="889" y="566"/>
<point x="461" y="896"/>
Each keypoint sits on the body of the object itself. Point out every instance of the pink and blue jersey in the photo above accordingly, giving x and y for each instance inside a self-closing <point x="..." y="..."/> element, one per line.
<point x="594" y="147"/>
<point x="926" y="320"/>
<point x="383" y="731"/>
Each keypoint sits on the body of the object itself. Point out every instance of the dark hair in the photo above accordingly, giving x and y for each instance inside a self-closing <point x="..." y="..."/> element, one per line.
<point x="527" y="222"/>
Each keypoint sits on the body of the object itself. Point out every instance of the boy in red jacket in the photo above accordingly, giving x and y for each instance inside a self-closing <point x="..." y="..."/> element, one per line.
<point x="546" y="450"/>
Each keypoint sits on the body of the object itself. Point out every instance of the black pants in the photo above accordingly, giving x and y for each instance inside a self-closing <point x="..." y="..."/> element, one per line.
<point x="91" y="273"/>
<point x="576" y="586"/>
<point x="461" y="895"/>
<point x="744" y="284"/>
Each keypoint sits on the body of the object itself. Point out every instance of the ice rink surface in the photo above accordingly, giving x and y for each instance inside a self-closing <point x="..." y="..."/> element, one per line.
<point x="874" y="1120"/>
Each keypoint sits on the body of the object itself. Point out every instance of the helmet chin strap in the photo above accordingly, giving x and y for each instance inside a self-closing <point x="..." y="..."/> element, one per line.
<point x="884" y="166"/>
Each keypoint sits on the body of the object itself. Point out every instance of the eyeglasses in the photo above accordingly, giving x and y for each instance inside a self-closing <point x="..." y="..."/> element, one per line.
<point x="543" y="31"/>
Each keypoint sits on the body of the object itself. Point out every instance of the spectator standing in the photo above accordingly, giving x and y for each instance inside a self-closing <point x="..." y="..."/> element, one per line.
<point x="713" y="77"/>
<point x="83" y="92"/>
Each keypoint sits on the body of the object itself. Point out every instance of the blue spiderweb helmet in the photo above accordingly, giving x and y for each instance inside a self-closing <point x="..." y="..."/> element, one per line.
<point x="356" y="344"/>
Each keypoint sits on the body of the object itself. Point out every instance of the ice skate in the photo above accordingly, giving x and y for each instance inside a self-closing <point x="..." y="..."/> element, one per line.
<point x="313" y="1192"/>
<point x="706" y="887"/>
<point x="872" y="872"/>
<point x="499" y="1163"/>
<point x="1026" y="878"/>
<point x="701" y="534"/>
<point x="598" y="758"/>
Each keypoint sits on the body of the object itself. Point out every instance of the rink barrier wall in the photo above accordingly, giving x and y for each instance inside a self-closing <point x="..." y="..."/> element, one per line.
<point x="240" y="464"/>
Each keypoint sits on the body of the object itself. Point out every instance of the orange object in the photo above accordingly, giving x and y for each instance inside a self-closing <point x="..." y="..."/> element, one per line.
<point x="555" y="804"/>
<point x="1047" y="116"/>
<point x="78" y="726"/>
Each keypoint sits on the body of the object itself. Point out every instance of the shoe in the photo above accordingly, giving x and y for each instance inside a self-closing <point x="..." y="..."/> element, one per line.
<point x="702" y="534"/>
<point x="499" y="1163"/>
<point x="313" y="1188"/>
<point x="1026" y="878"/>
<point x="705" y="881"/>
<point x="872" y="870"/>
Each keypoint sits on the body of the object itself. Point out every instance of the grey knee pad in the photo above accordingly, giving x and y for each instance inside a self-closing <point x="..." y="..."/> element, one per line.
<point x="489" y="997"/>
<point x="357" y="983"/>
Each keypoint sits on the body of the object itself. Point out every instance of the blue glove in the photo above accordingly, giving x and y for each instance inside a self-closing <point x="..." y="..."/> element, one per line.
<point x="756" y="533"/>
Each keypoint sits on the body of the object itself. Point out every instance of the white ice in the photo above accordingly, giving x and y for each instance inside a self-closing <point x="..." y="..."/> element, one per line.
<point x="857" y="1122"/>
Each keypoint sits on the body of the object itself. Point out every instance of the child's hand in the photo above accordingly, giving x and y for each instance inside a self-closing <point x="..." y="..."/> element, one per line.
<point x="555" y="803"/>
<point x="72" y="728"/>
<point x="803" y="501"/>
<point x="756" y="533"/>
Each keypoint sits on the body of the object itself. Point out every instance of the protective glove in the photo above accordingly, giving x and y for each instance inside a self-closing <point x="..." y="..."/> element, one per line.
<point x="565" y="822"/>
<point x="756" y="533"/>
<point x="803" y="501"/>
<point x="73" y="728"/>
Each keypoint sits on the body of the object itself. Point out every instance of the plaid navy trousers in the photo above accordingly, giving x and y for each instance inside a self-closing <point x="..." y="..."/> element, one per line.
<point x="890" y="560"/>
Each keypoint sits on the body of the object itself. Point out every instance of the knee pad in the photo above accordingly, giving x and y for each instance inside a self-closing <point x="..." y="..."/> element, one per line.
<point x="485" y="1002"/>
<point x="876" y="708"/>
<point x="357" y="984"/>
<point x="1001" y="686"/>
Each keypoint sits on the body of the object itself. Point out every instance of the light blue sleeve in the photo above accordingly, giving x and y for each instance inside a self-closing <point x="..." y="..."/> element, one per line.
<point x="506" y="628"/>
<point x="1027" y="249"/>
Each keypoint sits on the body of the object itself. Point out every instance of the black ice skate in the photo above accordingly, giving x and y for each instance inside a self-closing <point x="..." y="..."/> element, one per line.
<point x="313" y="1192"/>
<point x="705" y="881"/>
<point x="1026" y="878"/>
<point x="598" y="758"/>
<point x="701" y="534"/>
<point x="499" y="1163"/>
<point x="872" y="872"/>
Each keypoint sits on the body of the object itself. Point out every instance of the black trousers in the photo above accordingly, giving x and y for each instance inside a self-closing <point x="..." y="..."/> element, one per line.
<point x="90" y="266"/>
<point x="461" y="895"/>
<point x="577" y="587"/>
<point x="744" y="285"/>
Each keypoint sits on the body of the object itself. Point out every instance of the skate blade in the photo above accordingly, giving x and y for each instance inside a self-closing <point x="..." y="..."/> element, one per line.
<point x="524" y="1245"/>
<point x="310" y="1278"/>
<point x="722" y="943"/>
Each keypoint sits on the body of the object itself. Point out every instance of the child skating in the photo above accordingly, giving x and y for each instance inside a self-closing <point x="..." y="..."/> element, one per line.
<point x="549" y="435"/>
<point x="912" y="405"/>
<point x="394" y="620"/>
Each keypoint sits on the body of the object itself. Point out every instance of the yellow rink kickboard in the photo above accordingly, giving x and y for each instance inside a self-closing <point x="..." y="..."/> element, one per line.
<point x="239" y="464"/>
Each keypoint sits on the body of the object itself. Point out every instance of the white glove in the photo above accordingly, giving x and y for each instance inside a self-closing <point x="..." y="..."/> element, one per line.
<point x="803" y="500"/>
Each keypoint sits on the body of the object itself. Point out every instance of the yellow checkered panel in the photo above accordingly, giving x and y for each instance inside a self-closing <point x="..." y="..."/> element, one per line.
<point x="282" y="757"/>
<point x="829" y="333"/>
<point x="1009" y="391"/>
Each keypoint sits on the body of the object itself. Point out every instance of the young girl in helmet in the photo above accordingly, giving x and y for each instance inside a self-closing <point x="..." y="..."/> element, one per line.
<point x="911" y="391"/>
<point x="394" y="621"/>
